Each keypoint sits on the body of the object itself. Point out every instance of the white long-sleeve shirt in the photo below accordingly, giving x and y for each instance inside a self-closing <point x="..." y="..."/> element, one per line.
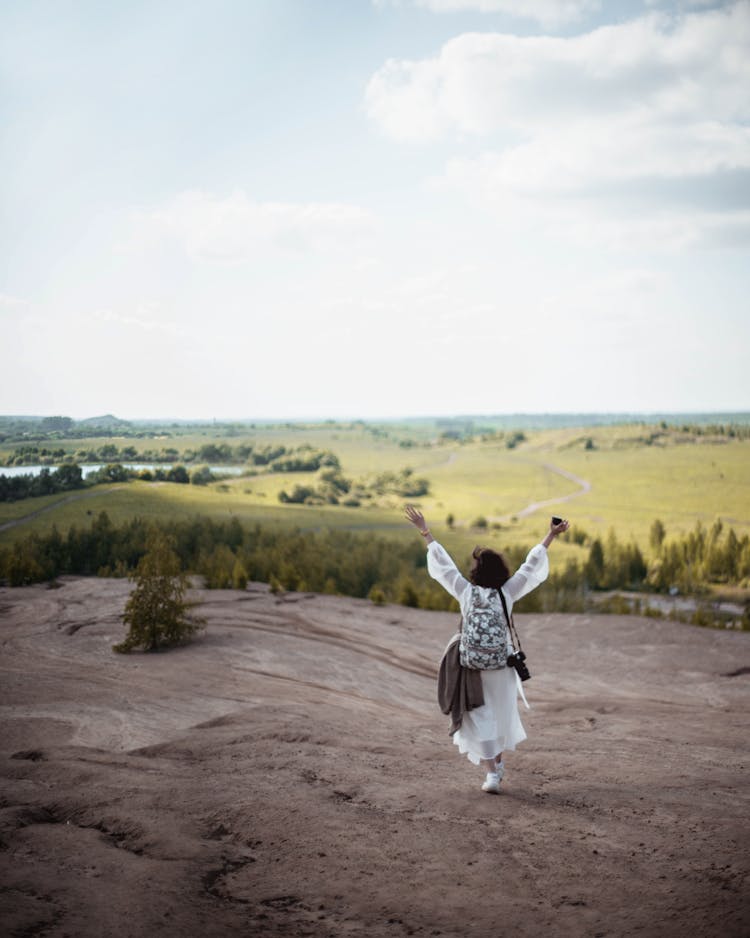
<point x="533" y="571"/>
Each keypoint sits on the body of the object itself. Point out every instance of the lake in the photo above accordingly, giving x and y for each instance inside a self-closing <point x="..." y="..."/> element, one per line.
<point x="88" y="468"/>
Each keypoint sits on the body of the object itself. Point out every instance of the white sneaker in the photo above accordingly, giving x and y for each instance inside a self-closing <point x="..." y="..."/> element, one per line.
<point x="492" y="783"/>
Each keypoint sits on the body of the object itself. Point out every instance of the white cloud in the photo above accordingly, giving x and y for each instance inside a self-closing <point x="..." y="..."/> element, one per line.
<point x="657" y="68"/>
<point x="235" y="228"/>
<point x="611" y="152"/>
<point x="646" y="118"/>
<point x="550" y="13"/>
<point x="146" y="319"/>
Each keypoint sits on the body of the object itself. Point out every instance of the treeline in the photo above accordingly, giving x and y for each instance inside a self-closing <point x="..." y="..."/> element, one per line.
<point x="704" y="556"/>
<point x="13" y="429"/>
<point x="732" y="431"/>
<point x="688" y="563"/>
<point x="277" y="457"/>
<point x="179" y="474"/>
<point x="47" y="482"/>
<point x="333" y="488"/>
<point x="227" y="555"/>
<point x="69" y="477"/>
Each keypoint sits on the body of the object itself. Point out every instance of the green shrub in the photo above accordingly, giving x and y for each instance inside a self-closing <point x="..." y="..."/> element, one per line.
<point x="377" y="596"/>
<point x="239" y="575"/>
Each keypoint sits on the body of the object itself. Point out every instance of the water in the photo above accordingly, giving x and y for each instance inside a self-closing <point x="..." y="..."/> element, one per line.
<point x="87" y="469"/>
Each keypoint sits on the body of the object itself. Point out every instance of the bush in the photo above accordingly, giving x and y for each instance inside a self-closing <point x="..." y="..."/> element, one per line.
<point x="377" y="596"/>
<point x="218" y="567"/>
<point x="178" y="474"/>
<point x="614" y="605"/>
<point x="406" y="594"/>
<point x="201" y="476"/>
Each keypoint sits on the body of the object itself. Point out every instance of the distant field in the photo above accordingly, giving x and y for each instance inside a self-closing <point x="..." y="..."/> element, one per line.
<point x="635" y="476"/>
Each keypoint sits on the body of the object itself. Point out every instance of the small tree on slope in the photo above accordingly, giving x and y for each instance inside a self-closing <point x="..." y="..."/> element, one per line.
<point x="156" y="611"/>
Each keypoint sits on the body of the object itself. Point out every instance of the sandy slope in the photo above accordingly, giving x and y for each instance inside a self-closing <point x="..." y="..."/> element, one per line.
<point x="290" y="774"/>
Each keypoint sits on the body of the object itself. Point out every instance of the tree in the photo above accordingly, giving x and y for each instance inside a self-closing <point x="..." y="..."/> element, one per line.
<point x="70" y="477"/>
<point x="113" y="472"/>
<point x="239" y="575"/>
<point x="201" y="476"/>
<point x="156" y="611"/>
<point x="178" y="474"/>
<point x="657" y="535"/>
<point x="594" y="569"/>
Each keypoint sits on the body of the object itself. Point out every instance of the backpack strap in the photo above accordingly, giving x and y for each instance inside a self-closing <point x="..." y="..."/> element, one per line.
<point x="511" y="624"/>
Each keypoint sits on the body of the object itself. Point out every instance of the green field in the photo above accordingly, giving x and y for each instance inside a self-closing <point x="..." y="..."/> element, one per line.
<point x="635" y="473"/>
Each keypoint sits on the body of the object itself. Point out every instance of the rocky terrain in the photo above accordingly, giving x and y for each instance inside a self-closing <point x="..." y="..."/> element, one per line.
<point x="289" y="773"/>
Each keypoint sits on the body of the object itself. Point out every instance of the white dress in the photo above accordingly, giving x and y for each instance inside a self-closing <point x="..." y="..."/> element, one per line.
<point x="496" y="726"/>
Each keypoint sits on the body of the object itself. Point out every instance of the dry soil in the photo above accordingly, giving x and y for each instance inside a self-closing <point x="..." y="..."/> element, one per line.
<point x="289" y="773"/>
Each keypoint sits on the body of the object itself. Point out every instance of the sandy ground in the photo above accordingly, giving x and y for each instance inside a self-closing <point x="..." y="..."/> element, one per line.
<point x="290" y="773"/>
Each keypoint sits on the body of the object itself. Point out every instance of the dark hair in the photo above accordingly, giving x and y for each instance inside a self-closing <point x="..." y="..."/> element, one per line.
<point x="488" y="568"/>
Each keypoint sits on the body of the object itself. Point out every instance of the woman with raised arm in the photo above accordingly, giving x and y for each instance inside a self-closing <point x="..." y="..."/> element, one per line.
<point x="487" y="731"/>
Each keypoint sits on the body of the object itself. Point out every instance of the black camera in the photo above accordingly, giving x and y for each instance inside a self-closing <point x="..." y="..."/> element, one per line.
<point x="517" y="661"/>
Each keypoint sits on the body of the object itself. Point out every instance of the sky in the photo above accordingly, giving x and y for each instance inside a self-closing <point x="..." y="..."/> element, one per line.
<point x="374" y="208"/>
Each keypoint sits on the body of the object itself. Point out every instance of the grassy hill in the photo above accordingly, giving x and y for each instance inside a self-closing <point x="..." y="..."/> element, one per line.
<point x="617" y="476"/>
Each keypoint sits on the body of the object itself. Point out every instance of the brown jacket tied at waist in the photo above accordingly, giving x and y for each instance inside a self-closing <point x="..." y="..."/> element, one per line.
<point x="459" y="688"/>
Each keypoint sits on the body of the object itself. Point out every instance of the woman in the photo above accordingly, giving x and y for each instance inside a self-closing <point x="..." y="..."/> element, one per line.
<point x="488" y="731"/>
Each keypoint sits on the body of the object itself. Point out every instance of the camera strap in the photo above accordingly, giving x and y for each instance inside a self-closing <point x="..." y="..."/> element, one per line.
<point x="511" y="624"/>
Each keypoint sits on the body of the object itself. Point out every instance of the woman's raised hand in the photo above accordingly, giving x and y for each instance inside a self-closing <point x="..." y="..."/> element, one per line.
<point x="416" y="518"/>
<point x="554" y="529"/>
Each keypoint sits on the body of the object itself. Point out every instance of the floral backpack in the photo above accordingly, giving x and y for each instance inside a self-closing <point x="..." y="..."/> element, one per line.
<point x="484" y="633"/>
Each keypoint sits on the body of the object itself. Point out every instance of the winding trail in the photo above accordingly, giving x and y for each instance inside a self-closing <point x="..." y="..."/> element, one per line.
<point x="584" y="487"/>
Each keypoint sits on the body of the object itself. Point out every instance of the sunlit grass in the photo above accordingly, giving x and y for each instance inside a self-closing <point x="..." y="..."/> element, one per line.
<point x="631" y="484"/>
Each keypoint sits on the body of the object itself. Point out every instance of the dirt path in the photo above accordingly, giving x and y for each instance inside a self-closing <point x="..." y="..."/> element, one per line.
<point x="584" y="487"/>
<point x="63" y="501"/>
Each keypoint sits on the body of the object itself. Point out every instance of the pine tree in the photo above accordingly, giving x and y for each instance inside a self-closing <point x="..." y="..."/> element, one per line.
<point x="239" y="575"/>
<point x="656" y="536"/>
<point x="594" y="569"/>
<point x="156" y="611"/>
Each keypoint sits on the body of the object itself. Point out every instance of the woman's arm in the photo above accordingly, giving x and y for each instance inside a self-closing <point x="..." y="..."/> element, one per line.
<point x="440" y="564"/>
<point x="535" y="569"/>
